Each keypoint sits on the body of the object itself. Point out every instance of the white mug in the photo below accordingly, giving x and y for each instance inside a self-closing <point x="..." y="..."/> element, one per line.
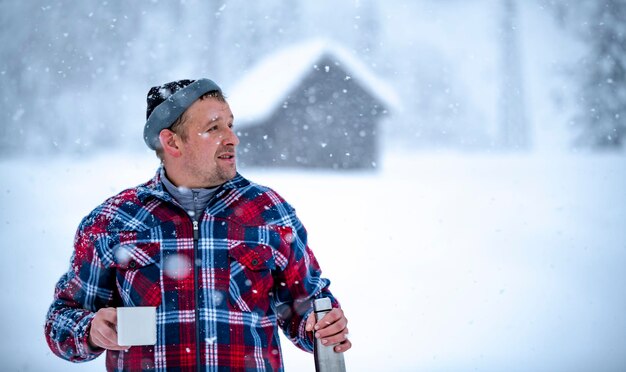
<point x="136" y="325"/>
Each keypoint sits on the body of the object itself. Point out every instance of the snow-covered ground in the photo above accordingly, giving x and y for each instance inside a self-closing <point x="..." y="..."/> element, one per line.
<point x="452" y="262"/>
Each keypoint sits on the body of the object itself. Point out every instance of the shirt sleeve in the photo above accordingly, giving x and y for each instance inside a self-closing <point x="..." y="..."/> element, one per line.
<point x="298" y="283"/>
<point x="81" y="291"/>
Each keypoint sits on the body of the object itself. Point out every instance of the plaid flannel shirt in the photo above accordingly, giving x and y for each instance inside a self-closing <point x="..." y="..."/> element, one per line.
<point x="221" y="290"/>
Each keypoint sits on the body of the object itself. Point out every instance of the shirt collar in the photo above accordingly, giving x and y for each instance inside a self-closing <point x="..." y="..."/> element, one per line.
<point x="155" y="187"/>
<point x="188" y="198"/>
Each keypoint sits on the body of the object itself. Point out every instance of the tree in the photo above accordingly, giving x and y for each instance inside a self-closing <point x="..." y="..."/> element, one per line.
<point x="54" y="66"/>
<point x="601" y="73"/>
<point x="367" y="28"/>
<point x="513" y="124"/>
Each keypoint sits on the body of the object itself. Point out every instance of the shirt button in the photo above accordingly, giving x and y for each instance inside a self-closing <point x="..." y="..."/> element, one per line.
<point x="255" y="262"/>
<point x="132" y="264"/>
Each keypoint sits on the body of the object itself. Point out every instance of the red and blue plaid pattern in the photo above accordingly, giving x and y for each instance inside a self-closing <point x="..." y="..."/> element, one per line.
<point x="253" y="269"/>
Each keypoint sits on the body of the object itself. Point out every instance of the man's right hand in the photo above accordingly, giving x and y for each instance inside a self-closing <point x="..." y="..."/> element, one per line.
<point x="103" y="332"/>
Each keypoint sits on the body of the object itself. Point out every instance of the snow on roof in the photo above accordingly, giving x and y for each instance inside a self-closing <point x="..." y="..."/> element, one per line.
<point x="256" y="95"/>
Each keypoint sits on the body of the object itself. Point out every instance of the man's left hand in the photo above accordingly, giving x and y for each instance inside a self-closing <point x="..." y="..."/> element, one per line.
<point x="331" y="329"/>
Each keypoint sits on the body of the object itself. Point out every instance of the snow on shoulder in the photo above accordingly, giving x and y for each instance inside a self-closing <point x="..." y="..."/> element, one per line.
<point x="259" y="92"/>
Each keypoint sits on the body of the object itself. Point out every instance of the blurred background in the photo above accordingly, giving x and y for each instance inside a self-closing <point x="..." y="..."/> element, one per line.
<point x="461" y="162"/>
<point x="478" y="74"/>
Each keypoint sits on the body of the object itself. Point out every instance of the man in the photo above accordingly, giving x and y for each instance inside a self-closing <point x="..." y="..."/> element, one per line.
<point x="224" y="260"/>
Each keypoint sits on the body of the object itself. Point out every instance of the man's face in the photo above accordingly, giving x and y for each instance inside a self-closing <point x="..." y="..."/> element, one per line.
<point x="208" y="153"/>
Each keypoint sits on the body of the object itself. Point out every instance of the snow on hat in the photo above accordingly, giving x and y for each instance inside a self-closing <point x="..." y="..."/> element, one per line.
<point x="167" y="102"/>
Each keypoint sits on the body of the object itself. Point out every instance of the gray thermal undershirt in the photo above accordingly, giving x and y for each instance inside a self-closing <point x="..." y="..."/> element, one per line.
<point x="194" y="201"/>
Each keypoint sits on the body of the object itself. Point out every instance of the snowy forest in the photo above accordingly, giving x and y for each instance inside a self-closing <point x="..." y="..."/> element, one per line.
<point x="479" y="202"/>
<point x="74" y="75"/>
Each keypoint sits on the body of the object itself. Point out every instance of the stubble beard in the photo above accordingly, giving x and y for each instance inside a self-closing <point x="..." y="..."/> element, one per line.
<point x="211" y="172"/>
<point x="225" y="174"/>
<point x="219" y="175"/>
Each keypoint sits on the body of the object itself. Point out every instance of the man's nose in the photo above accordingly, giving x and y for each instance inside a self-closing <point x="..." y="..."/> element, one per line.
<point x="230" y="138"/>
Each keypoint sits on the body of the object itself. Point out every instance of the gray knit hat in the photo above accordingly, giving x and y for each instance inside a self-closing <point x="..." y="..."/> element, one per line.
<point x="167" y="102"/>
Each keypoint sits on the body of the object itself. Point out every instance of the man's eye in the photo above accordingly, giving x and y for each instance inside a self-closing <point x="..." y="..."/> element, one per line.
<point x="212" y="129"/>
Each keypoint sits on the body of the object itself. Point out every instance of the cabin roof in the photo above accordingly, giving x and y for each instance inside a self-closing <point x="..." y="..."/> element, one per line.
<point x="263" y="89"/>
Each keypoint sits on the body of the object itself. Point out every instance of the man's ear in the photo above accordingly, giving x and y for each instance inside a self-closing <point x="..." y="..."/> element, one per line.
<point x="169" y="142"/>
